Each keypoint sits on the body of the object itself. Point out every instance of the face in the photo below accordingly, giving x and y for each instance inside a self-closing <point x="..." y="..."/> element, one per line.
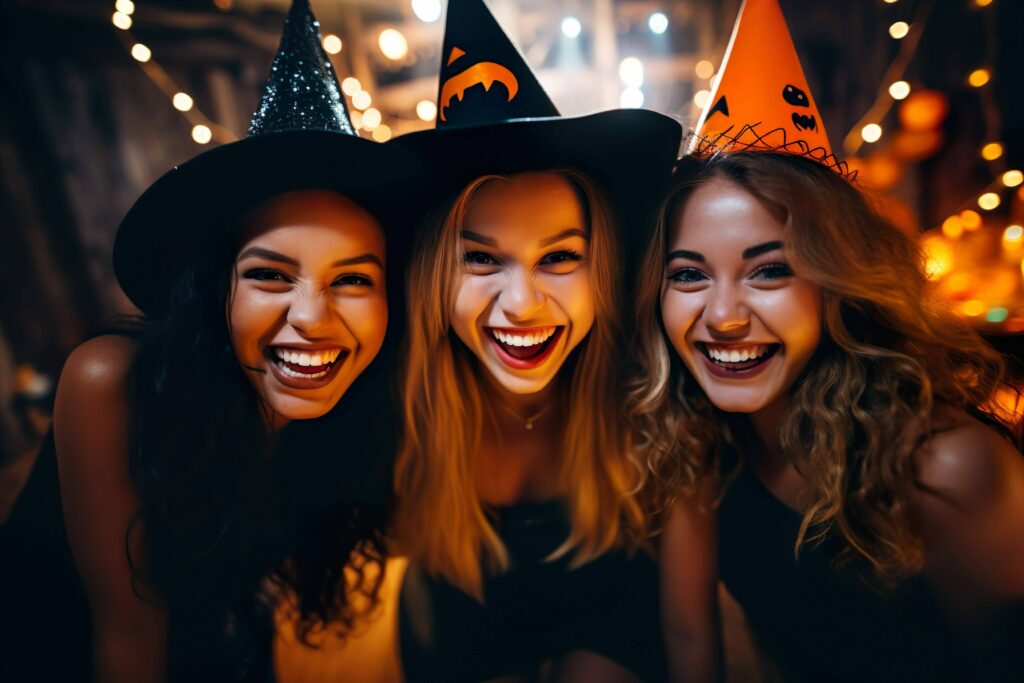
<point x="308" y="307"/>
<point x="524" y="298"/>
<point x="738" y="316"/>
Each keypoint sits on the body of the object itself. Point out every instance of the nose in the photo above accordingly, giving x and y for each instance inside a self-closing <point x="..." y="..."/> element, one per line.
<point x="310" y="312"/>
<point x="725" y="311"/>
<point x="520" y="298"/>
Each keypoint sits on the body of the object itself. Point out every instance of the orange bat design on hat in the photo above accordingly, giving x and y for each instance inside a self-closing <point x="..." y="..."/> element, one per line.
<point x="481" y="73"/>
<point x="762" y="85"/>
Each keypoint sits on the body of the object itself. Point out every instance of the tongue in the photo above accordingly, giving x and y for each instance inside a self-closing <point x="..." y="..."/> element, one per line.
<point x="525" y="352"/>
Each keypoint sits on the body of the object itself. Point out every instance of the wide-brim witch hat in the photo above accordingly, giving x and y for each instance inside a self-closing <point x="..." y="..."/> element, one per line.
<point x="761" y="100"/>
<point x="493" y="117"/>
<point x="300" y="138"/>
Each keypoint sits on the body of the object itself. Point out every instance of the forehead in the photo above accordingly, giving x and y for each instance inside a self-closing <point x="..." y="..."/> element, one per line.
<point x="720" y="217"/>
<point x="524" y="207"/>
<point x="313" y="221"/>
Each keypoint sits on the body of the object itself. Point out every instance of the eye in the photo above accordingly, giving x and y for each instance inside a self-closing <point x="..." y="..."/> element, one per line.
<point x="265" y="275"/>
<point x="687" y="276"/>
<point x="561" y="256"/>
<point x="479" y="258"/>
<point x="353" y="280"/>
<point x="771" y="272"/>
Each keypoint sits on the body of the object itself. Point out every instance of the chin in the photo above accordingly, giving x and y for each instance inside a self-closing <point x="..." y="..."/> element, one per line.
<point x="738" y="402"/>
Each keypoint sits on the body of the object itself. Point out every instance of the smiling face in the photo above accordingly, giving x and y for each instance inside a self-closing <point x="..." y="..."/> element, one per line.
<point x="524" y="300"/>
<point x="308" y="308"/>
<point x="737" y="315"/>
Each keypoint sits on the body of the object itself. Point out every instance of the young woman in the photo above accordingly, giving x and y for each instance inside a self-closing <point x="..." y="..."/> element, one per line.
<point x="796" y="370"/>
<point x="208" y="465"/>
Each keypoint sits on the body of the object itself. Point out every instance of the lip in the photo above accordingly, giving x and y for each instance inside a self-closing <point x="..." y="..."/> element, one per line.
<point x="524" y="363"/>
<point x="747" y="373"/>
<point x="302" y="382"/>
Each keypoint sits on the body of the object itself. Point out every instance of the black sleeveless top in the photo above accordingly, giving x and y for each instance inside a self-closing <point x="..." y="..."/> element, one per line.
<point x="818" y="623"/>
<point x="535" y="611"/>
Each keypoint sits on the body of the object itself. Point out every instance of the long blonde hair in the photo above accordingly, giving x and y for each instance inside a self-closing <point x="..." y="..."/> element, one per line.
<point x="893" y="360"/>
<point x="441" y="522"/>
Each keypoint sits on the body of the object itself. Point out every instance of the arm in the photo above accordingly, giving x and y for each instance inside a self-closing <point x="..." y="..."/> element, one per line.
<point x="973" y="525"/>
<point x="689" y="589"/>
<point x="91" y="432"/>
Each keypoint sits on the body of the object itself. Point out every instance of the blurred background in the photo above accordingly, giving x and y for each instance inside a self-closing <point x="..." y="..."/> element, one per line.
<point x="98" y="99"/>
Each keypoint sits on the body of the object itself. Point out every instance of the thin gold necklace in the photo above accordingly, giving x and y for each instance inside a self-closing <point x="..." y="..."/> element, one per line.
<point x="527" y="421"/>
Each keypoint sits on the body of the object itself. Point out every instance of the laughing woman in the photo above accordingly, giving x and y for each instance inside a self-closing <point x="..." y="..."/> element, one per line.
<point x="511" y="484"/>
<point x="208" y="465"/>
<point x="871" y="521"/>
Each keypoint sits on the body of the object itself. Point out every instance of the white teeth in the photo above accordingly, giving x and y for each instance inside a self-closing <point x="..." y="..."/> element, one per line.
<point x="736" y="355"/>
<point x="306" y="359"/>
<point x="288" y="372"/>
<point x="531" y="339"/>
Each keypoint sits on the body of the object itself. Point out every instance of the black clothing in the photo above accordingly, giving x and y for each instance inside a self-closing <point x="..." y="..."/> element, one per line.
<point x="820" y="623"/>
<point x="535" y="611"/>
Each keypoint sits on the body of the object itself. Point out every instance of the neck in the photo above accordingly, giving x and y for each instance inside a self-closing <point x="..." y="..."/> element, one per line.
<point x="766" y="424"/>
<point x="514" y="410"/>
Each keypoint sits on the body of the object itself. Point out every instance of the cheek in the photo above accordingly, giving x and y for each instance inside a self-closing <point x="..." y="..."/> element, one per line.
<point x="678" y="312"/>
<point x="472" y="297"/>
<point x="795" y="318"/>
<point x="575" y="296"/>
<point x="252" y="316"/>
<point x="366" y="317"/>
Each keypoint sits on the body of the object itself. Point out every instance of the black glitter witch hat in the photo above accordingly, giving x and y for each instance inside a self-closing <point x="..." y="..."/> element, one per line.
<point x="493" y="116"/>
<point x="301" y="137"/>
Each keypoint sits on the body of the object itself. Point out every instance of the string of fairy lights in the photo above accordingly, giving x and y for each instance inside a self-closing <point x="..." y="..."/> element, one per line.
<point x="365" y="118"/>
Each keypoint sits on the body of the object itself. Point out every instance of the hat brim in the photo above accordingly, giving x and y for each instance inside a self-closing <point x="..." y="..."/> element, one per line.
<point x="629" y="153"/>
<point x="205" y="197"/>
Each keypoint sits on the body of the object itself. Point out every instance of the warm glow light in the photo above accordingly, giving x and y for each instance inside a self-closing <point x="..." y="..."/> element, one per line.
<point x="973" y="308"/>
<point x="952" y="227"/>
<point x="871" y="132"/>
<point x="124" y="6"/>
<point x="361" y="100"/>
<point x="992" y="151"/>
<point x="971" y="219"/>
<point x="938" y="257"/>
<point x="1013" y="178"/>
<point x="891" y="2"/>
<point x="357" y="119"/>
<point x="571" y="27"/>
<point x="982" y="3"/>
<point x="332" y="43"/>
<point x="371" y="119"/>
<point x="631" y="98"/>
<point x="1014" y="234"/>
<point x="704" y="69"/>
<point x="989" y="201"/>
<point x="427" y="10"/>
<point x="224" y="5"/>
<point x="201" y="134"/>
<point x="181" y="101"/>
<point x="122" y="21"/>
<point x="899" y="90"/>
<point x="393" y="44"/>
<point x="631" y="71"/>
<point x="426" y="110"/>
<point x="141" y="52"/>
<point x="382" y="133"/>
<point x="350" y="86"/>
<point x="957" y="283"/>
<point x="979" y="77"/>
<point x="700" y="98"/>
<point x="658" y="22"/>
<point x="899" y="30"/>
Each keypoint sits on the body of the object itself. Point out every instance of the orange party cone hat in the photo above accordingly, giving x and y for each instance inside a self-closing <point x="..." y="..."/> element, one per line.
<point x="761" y="100"/>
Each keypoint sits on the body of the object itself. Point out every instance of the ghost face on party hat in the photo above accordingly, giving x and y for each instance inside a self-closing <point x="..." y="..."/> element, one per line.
<point x="761" y="100"/>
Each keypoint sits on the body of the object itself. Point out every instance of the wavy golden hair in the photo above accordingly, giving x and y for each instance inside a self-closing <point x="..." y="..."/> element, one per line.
<point x="441" y="523"/>
<point x="893" y="364"/>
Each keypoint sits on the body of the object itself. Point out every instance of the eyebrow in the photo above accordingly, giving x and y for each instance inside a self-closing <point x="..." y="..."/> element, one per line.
<point x="748" y="253"/>
<point x="260" y="252"/>
<point x="477" y="237"/>
<point x="570" y="232"/>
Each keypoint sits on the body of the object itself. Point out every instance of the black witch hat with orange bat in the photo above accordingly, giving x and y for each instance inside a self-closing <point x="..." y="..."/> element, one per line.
<point x="493" y="116"/>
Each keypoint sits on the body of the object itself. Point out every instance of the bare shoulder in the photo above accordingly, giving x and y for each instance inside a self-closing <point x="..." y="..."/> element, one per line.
<point x="90" y="403"/>
<point x="101" y="363"/>
<point x="970" y="464"/>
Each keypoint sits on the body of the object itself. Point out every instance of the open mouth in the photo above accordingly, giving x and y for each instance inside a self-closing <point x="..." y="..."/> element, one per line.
<point x="524" y="347"/>
<point x="737" y="359"/>
<point x="304" y="368"/>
